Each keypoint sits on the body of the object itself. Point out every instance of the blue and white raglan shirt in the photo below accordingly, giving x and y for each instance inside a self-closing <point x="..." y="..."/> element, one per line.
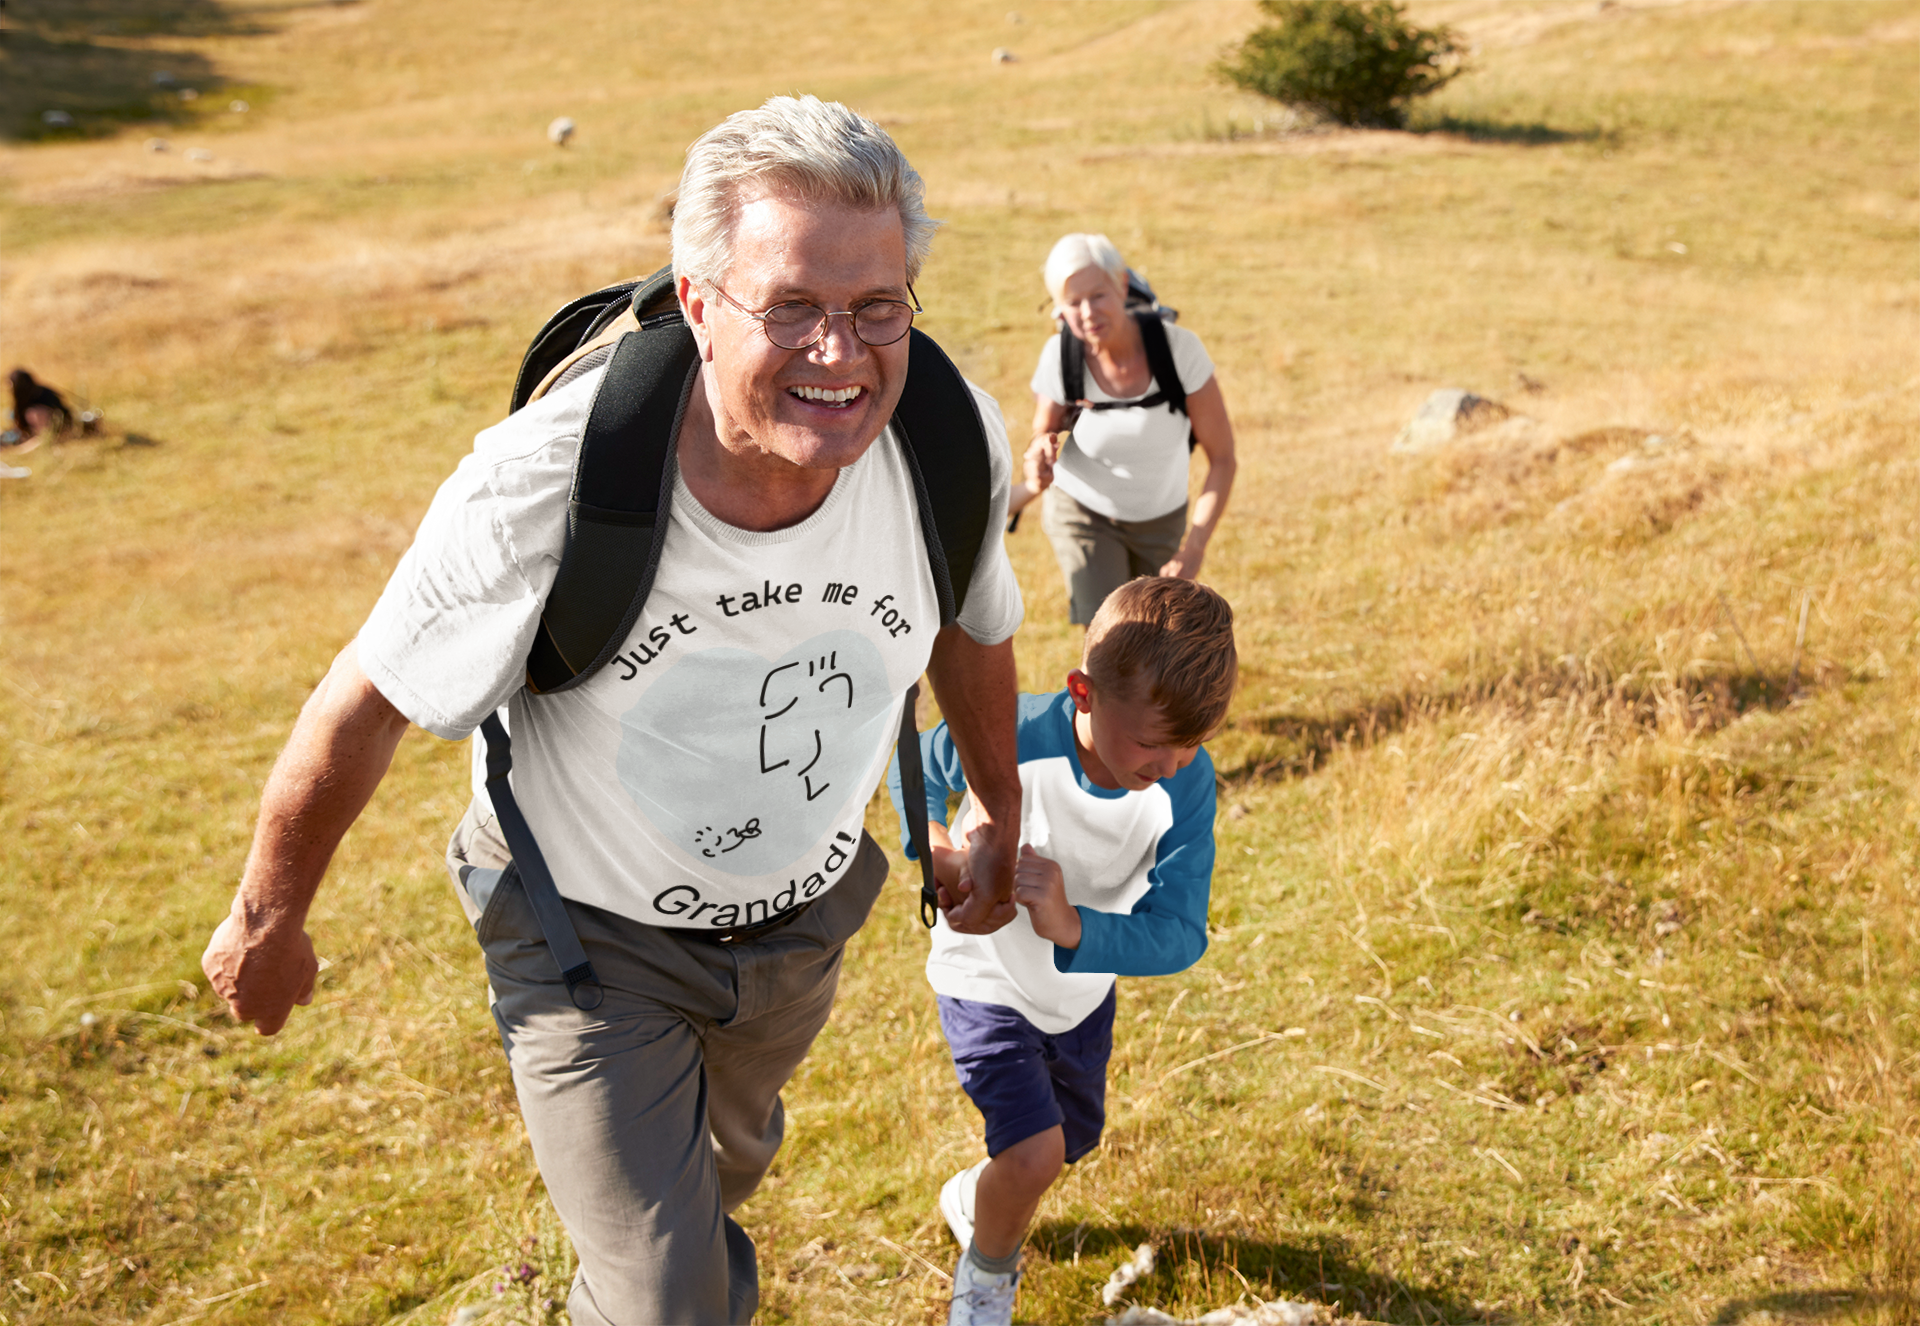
<point x="1138" y="866"/>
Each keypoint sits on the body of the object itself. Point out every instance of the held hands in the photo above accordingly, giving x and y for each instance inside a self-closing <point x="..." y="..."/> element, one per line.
<point x="1039" y="887"/>
<point x="980" y="900"/>
<point x="262" y="967"/>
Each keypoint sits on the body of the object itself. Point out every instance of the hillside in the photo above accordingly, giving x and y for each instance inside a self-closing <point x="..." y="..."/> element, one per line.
<point x="1565" y="960"/>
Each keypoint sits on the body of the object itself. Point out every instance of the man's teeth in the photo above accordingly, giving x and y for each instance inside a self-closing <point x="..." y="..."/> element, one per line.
<point x="840" y="397"/>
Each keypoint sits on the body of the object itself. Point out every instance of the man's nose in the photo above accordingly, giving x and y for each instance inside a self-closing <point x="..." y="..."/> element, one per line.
<point x="838" y="342"/>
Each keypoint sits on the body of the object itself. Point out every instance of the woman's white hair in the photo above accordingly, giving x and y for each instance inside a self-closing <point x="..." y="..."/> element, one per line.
<point x="817" y="151"/>
<point x="1079" y="251"/>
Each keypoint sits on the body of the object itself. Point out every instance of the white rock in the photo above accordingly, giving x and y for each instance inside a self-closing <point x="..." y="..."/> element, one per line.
<point x="1445" y="415"/>
<point x="56" y="119"/>
<point x="158" y="145"/>
<point x="1279" y="1312"/>
<point x="199" y="154"/>
<point x="560" y="131"/>
<point x="1001" y="55"/>
<point x="1128" y="1272"/>
<point x="238" y="107"/>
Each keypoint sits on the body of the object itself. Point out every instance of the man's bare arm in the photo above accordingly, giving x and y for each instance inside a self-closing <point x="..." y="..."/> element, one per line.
<point x="976" y="686"/>
<point x="260" y="959"/>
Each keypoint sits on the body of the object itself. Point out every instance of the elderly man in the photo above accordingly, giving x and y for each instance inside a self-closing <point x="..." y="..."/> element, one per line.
<point x="670" y="799"/>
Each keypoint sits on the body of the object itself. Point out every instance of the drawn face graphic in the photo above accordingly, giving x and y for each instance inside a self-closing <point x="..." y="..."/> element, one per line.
<point x="744" y="762"/>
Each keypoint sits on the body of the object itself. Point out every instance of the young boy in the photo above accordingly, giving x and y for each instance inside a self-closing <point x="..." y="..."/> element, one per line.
<point x="1116" y="823"/>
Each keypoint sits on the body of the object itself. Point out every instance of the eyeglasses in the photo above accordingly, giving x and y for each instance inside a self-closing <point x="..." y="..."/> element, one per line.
<point x="796" y="325"/>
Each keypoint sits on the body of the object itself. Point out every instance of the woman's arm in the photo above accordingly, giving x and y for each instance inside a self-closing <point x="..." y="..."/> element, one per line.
<point x="1049" y="423"/>
<point x="1213" y="434"/>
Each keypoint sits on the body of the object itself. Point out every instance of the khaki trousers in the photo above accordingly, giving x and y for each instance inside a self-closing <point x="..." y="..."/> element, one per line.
<point x="1098" y="554"/>
<point x="656" y="1115"/>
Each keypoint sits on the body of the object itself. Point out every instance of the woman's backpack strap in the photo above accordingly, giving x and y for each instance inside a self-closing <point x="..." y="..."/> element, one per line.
<point x="1073" y="372"/>
<point x="1153" y="336"/>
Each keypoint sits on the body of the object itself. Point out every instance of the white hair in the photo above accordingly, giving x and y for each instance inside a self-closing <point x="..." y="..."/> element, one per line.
<point x="1079" y="251"/>
<point x="818" y="151"/>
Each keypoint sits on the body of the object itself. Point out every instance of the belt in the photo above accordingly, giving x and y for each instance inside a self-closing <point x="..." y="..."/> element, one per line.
<point x="743" y="934"/>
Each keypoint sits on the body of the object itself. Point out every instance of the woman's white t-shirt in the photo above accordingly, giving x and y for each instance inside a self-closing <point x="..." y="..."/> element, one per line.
<point x="1126" y="464"/>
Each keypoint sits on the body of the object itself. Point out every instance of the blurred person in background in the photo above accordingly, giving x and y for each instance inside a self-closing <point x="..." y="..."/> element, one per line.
<point x="1116" y="484"/>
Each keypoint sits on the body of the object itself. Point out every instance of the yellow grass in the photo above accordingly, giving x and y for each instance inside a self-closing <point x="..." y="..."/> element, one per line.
<point x="1564" y="959"/>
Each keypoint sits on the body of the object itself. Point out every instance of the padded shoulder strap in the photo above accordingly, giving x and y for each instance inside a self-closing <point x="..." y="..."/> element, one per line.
<point x="1073" y="367"/>
<point x="1153" y="336"/>
<point x="622" y="487"/>
<point x="946" y="448"/>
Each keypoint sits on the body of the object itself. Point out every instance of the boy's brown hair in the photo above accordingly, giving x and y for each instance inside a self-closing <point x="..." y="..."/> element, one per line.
<point x="1168" y="642"/>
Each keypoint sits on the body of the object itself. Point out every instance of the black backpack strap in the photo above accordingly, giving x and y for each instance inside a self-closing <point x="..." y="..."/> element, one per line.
<point x="913" y="795"/>
<point x="1073" y="372"/>
<point x="543" y="895"/>
<point x="946" y="448"/>
<point x="616" y="517"/>
<point x="1153" y="336"/>
<point x="945" y="442"/>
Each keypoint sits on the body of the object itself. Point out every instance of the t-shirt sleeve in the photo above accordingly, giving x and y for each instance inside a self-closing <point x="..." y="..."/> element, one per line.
<point x="1166" y="931"/>
<point x="940" y="761"/>
<point x="447" y="642"/>
<point x="1046" y="374"/>
<point x="1190" y="358"/>
<point x="993" y="608"/>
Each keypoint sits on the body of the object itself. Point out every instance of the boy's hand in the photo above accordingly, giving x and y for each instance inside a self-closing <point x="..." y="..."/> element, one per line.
<point x="1039" y="887"/>
<point x="948" y="863"/>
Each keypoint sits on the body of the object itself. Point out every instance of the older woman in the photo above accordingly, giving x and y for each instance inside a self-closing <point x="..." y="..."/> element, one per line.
<point x="1117" y="501"/>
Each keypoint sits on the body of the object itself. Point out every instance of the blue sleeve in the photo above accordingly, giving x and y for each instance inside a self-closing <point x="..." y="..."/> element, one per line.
<point x="1166" y="931"/>
<point x="941" y="761"/>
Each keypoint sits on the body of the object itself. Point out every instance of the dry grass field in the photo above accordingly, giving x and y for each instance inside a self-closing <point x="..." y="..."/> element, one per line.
<point x="1565" y="957"/>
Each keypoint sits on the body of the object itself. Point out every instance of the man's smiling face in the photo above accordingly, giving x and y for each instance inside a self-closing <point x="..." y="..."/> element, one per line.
<point x="819" y="408"/>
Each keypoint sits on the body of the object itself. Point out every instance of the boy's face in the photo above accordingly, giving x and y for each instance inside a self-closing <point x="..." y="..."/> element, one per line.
<point x="1123" y="742"/>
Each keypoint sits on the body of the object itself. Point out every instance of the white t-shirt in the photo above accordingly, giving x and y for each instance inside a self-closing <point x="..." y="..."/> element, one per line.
<point x="1126" y="464"/>
<point x="717" y="771"/>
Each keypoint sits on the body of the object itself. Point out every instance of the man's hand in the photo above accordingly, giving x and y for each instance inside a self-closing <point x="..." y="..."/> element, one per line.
<point x="260" y="959"/>
<point x="1039" y="887"/>
<point x="976" y="687"/>
<point x="261" y="967"/>
<point x="990" y="855"/>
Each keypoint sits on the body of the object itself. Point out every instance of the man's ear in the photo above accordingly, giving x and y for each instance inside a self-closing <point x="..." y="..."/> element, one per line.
<point x="693" y="307"/>
<point x="1080" y="687"/>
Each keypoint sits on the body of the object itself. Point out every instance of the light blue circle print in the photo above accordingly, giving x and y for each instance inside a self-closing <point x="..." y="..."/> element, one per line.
<point x="743" y="762"/>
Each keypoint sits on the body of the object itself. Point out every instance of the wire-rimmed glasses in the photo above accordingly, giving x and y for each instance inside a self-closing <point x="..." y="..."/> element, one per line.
<point x="797" y="325"/>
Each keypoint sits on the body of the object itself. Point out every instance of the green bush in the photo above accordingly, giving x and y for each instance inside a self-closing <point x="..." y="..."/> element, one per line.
<point x="1356" y="61"/>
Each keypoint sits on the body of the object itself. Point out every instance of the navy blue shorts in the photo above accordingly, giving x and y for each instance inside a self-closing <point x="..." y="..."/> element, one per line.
<point x="1024" y="1081"/>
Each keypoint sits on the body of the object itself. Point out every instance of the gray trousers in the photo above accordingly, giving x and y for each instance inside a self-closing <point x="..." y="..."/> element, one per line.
<point x="655" y="1115"/>
<point x="1098" y="554"/>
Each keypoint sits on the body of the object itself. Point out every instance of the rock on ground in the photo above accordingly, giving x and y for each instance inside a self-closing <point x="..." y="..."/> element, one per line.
<point x="1445" y="415"/>
<point x="1279" y="1312"/>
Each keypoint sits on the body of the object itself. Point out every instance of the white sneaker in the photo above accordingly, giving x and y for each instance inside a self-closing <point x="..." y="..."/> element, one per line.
<point x="956" y="1202"/>
<point x="980" y="1299"/>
